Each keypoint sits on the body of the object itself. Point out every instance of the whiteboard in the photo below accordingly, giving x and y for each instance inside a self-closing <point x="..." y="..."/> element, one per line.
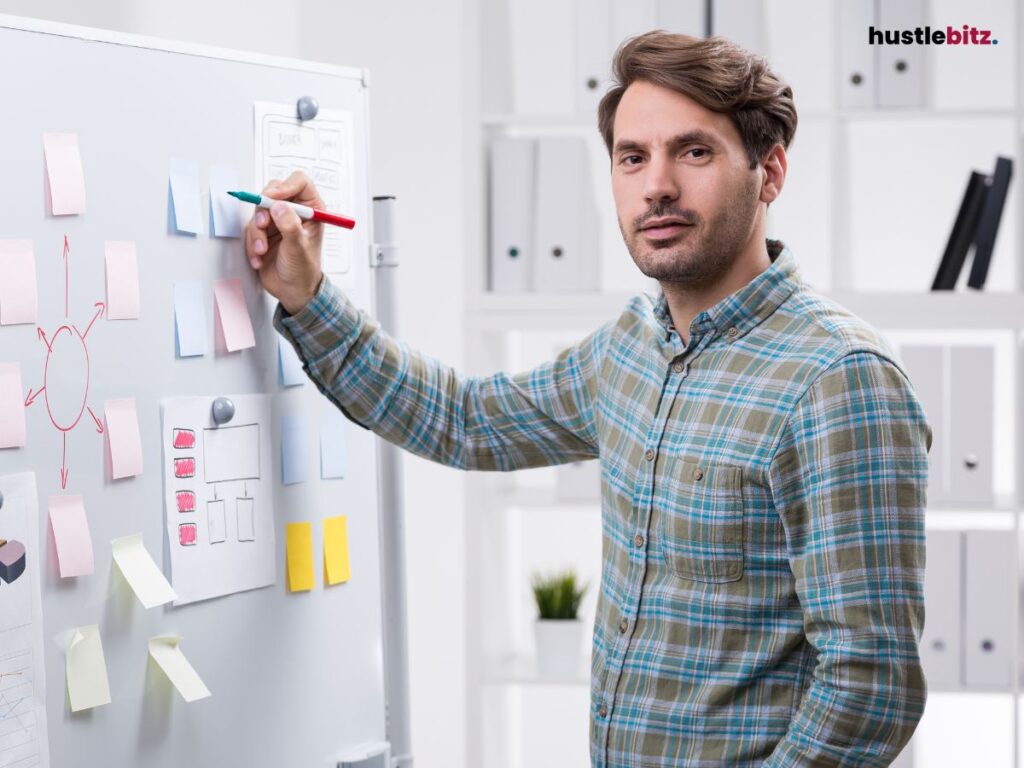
<point x="296" y="679"/>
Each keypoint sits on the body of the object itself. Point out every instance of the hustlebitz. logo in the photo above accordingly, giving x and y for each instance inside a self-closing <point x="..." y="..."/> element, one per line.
<point x="967" y="35"/>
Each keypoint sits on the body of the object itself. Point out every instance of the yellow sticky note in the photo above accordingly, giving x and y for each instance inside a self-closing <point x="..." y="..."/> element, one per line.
<point x="300" y="556"/>
<point x="142" y="574"/>
<point x="336" y="549"/>
<point x="86" y="669"/>
<point x="167" y="654"/>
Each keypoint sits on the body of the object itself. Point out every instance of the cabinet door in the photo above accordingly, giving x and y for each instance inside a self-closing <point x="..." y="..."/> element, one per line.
<point x="971" y="424"/>
<point x="990" y="591"/>
<point x="943" y="599"/>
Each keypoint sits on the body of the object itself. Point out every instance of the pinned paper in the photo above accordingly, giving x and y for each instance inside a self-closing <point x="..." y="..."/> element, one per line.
<point x="86" y="669"/>
<point x="293" y="450"/>
<point x="189" y="320"/>
<point x="166" y="652"/>
<point x="336" y="562"/>
<point x="122" y="280"/>
<point x="300" y="556"/>
<point x="64" y="173"/>
<point x="184" y="179"/>
<point x="333" y="451"/>
<point x="289" y="367"/>
<point x="71" y="535"/>
<point x="233" y="314"/>
<point x="18" y="291"/>
<point x="12" y="406"/>
<point x="123" y="433"/>
<point x="225" y="216"/>
<point x="141" y="573"/>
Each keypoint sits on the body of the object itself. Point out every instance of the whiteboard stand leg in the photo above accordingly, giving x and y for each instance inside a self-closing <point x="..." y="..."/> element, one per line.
<point x="384" y="262"/>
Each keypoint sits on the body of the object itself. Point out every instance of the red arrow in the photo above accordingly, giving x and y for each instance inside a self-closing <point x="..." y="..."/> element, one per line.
<point x="31" y="398"/>
<point x="64" y="471"/>
<point x="42" y="335"/>
<point x="100" y="306"/>
<point x="99" y="424"/>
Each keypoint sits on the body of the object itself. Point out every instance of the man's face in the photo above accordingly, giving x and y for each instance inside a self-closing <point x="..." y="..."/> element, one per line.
<point x="685" y="195"/>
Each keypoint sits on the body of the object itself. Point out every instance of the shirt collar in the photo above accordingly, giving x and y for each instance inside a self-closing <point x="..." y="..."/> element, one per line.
<point x="748" y="306"/>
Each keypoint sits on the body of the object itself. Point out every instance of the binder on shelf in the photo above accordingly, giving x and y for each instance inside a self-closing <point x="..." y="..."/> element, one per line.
<point x="962" y="234"/>
<point x="971" y="424"/>
<point x="990" y="591"/>
<point x="943" y="605"/>
<point x="901" y="68"/>
<point x="686" y="16"/>
<point x="594" y="49"/>
<point x="542" y="84"/>
<point x="988" y="221"/>
<point x="740" y="21"/>
<point x="924" y="366"/>
<point x="512" y="190"/>
<point x="856" y="54"/>
<point x="631" y="18"/>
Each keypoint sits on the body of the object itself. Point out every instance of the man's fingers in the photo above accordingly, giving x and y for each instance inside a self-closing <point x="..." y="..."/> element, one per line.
<point x="287" y="221"/>
<point x="298" y="188"/>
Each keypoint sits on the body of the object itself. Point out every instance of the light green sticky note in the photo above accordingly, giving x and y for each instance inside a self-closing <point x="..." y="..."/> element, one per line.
<point x="141" y="573"/>
<point x="86" y="669"/>
<point x="166" y="652"/>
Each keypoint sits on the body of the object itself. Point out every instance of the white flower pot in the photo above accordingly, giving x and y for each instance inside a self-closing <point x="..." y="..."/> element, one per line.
<point x="558" y="647"/>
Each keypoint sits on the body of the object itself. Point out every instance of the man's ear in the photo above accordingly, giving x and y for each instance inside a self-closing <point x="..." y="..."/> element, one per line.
<point x="773" y="170"/>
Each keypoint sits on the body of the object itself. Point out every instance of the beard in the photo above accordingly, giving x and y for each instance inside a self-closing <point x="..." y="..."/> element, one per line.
<point x="704" y="251"/>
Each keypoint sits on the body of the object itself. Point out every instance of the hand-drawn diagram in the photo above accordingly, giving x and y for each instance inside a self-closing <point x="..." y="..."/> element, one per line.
<point x="66" y="406"/>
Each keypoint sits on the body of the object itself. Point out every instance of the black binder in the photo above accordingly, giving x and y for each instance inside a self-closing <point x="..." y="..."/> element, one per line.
<point x="988" y="223"/>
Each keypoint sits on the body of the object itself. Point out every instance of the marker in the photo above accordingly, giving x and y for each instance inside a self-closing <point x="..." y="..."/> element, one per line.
<point x="305" y="212"/>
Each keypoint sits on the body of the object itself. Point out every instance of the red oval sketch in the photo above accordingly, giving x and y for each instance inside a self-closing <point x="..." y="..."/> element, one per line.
<point x="63" y="347"/>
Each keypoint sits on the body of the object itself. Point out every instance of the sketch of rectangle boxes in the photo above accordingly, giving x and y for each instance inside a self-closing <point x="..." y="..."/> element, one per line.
<point x="186" y="501"/>
<point x="245" y="511"/>
<point x="216" y="519"/>
<point x="185" y="467"/>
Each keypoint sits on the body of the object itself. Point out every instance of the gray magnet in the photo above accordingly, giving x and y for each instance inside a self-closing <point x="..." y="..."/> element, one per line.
<point x="223" y="411"/>
<point x="308" y="108"/>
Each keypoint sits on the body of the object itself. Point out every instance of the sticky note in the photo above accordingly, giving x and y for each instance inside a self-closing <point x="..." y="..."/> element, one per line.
<point x="299" y="538"/>
<point x="293" y="450"/>
<point x="166" y="652"/>
<point x="184" y="179"/>
<point x="19" y="295"/>
<point x="12" y="406"/>
<point x="233" y="314"/>
<point x="336" y="563"/>
<point x="64" y="173"/>
<point x="122" y="280"/>
<point x="123" y="434"/>
<point x="141" y="573"/>
<point x="86" y="669"/>
<point x="225" y="216"/>
<point x="333" y="452"/>
<point x="71" y="535"/>
<point x="189" y="320"/>
<point x="289" y="367"/>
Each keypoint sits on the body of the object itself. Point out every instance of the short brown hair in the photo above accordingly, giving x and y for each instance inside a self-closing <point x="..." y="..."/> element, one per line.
<point x="717" y="74"/>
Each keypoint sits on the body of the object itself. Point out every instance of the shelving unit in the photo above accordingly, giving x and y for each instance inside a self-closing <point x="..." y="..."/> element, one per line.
<point x="830" y="170"/>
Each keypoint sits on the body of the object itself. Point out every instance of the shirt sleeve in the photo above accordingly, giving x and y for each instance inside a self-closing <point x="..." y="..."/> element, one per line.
<point x="849" y="479"/>
<point x="500" y="422"/>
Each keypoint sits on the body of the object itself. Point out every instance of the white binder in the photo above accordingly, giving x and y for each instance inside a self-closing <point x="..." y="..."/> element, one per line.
<point x="971" y="424"/>
<point x="857" y="80"/>
<point x="594" y="50"/>
<point x="943" y="599"/>
<point x="630" y="18"/>
<point x="741" y="21"/>
<point x="924" y="366"/>
<point x="685" y="16"/>
<point x="901" y="68"/>
<point x="543" y="60"/>
<point x="990" y="590"/>
<point x="512" y="191"/>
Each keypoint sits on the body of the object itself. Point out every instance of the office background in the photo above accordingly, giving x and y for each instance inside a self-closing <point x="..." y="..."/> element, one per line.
<point x="874" y="185"/>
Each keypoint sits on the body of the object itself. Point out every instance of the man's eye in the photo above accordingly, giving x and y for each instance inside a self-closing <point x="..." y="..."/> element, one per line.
<point x="628" y="159"/>
<point x="703" y="152"/>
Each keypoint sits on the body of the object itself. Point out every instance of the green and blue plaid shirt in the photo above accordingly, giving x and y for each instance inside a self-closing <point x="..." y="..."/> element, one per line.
<point x="762" y="499"/>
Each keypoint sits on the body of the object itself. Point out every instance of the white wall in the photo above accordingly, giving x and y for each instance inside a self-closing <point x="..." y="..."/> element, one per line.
<point x="415" y="54"/>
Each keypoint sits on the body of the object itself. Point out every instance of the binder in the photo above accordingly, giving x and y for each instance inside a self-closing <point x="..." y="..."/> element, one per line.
<point x="924" y="366"/>
<point x="901" y="80"/>
<point x="512" y="190"/>
<point x="943" y="604"/>
<point x="631" y="18"/>
<point x="971" y="424"/>
<point x="542" y="84"/>
<point x="990" y="590"/>
<point x="988" y="221"/>
<point x="594" y="51"/>
<point x="960" y="237"/>
<point x="856" y="55"/>
<point x="741" y="21"/>
<point x="682" y="16"/>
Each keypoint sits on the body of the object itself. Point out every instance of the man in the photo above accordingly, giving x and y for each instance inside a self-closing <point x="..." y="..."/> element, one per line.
<point x="763" y="456"/>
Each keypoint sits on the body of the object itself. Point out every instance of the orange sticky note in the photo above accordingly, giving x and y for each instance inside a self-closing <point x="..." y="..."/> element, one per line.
<point x="299" y="537"/>
<point x="336" y="562"/>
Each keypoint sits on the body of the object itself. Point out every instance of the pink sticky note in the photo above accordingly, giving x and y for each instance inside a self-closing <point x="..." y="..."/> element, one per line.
<point x="18" y="293"/>
<point x="122" y="281"/>
<point x="123" y="433"/>
<point x="233" y="314"/>
<point x="64" y="171"/>
<point x="71" y="533"/>
<point x="12" y="406"/>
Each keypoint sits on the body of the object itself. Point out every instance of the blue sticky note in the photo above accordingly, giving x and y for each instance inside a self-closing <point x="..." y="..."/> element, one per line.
<point x="293" y="450"/>
<point x="225" y="215"/>
<point x="289" y="367"/>
<point x="189" y="319"/>
<point x="333" y="452"/>
<point x="184" y="177"/>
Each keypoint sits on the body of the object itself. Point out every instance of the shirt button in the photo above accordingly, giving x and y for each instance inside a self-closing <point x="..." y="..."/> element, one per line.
<point x="698" y="473"/>
<point x="732" y="333"/>
<point x="638" y="540"/>
<point x="649" y="454"/>
<point x="677" y="367"/>
<point x="623" y="625"/>
<point x="603" y="711"/>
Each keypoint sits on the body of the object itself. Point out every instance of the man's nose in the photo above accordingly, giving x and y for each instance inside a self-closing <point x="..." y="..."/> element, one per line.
<point x="660" y="182"/>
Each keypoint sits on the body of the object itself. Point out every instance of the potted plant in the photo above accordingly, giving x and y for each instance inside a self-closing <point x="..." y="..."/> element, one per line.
<point x="558" y="629"/>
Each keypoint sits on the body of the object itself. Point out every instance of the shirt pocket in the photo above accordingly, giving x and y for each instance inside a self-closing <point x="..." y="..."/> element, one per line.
<point x="702" y="520"/>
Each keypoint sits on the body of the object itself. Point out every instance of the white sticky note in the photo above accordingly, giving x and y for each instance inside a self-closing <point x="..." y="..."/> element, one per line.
<point x="333" y="452"/>
<point x="18" y="291"/>
<point x="293" y="450"/>
<point x="71" y="535"/>
<point x="141" y="573"/>
<point x="86" y="669"/>
<point x="184" y="178"/>
<point x="122" y="280"/>
<point x="12" y="406"/>
<point x="64" y="173"/>
<point x="166" y="652"/>
<point x="189" y="320"/>
<point x="123" y="434"/>
<point x="289" y="367"/>
<point x="225" y="215"/>
<point x="233" y="314"/>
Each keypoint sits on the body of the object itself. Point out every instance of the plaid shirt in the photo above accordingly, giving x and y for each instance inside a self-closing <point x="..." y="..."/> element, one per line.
<point x="763" y="496"/>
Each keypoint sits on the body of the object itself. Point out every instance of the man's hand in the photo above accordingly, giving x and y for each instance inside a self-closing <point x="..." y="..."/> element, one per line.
<point x="283" y="248"/>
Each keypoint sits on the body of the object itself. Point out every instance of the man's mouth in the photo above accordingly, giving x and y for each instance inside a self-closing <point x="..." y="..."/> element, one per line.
<point x="662" y="229"/>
